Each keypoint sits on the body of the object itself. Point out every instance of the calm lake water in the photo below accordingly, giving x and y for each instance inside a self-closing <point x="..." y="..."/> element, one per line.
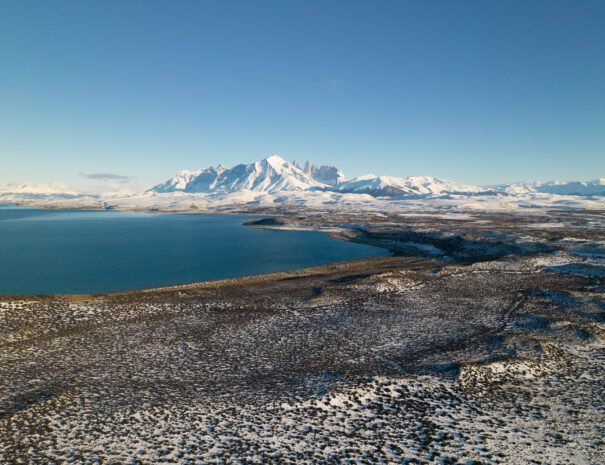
<point x="67" y="251"/>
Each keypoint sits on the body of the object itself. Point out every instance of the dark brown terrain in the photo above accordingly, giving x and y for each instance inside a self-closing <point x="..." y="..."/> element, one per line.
<point x="481" y="341"/>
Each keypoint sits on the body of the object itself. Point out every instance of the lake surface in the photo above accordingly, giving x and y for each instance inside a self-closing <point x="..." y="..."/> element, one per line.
<point x="70" y="251"/>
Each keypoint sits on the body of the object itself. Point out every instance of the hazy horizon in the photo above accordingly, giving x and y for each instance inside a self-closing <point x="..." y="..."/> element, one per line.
<point x="110" y="182"/>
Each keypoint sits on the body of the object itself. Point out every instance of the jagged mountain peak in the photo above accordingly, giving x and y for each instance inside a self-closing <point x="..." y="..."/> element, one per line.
<point x="275" y="161"/>
<point x="329" y="175"/>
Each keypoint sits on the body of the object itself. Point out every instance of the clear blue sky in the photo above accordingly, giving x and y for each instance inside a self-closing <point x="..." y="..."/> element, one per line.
<point x="474" y="91"/>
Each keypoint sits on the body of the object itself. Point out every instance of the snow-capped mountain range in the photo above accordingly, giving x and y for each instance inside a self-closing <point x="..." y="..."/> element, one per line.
<point x="275" y="182"/>
<point x="274" y="174"/>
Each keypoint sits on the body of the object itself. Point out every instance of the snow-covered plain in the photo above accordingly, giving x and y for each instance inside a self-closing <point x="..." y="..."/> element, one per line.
<point x="392" y="361"/>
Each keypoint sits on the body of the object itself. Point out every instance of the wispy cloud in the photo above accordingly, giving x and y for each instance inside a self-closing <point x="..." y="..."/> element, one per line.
<point x="106" y="177"/>
<point x="331" y="82"/>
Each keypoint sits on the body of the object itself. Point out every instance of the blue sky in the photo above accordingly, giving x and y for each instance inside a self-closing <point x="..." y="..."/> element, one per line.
<point x="474" y="91"/>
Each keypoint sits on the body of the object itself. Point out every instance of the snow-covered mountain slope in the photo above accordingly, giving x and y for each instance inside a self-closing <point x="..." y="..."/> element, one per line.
<point x="273" y="174"/>
<point x="191" y="181"/>
<point x="595" y="187"/>
<point x="388" y="186"/>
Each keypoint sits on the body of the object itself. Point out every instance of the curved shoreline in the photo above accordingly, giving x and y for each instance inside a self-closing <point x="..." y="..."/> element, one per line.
<point x="449" y="238"/>
<point x="201" y="266"/>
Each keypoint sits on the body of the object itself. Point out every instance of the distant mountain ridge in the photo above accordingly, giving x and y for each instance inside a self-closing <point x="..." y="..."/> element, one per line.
<point x="56" y="188"/>
<point x="583" y="188"/>
<point x="389" y="186"/>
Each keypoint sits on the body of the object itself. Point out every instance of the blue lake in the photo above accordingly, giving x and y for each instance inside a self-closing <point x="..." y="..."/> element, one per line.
<point x="70" y="251"/>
